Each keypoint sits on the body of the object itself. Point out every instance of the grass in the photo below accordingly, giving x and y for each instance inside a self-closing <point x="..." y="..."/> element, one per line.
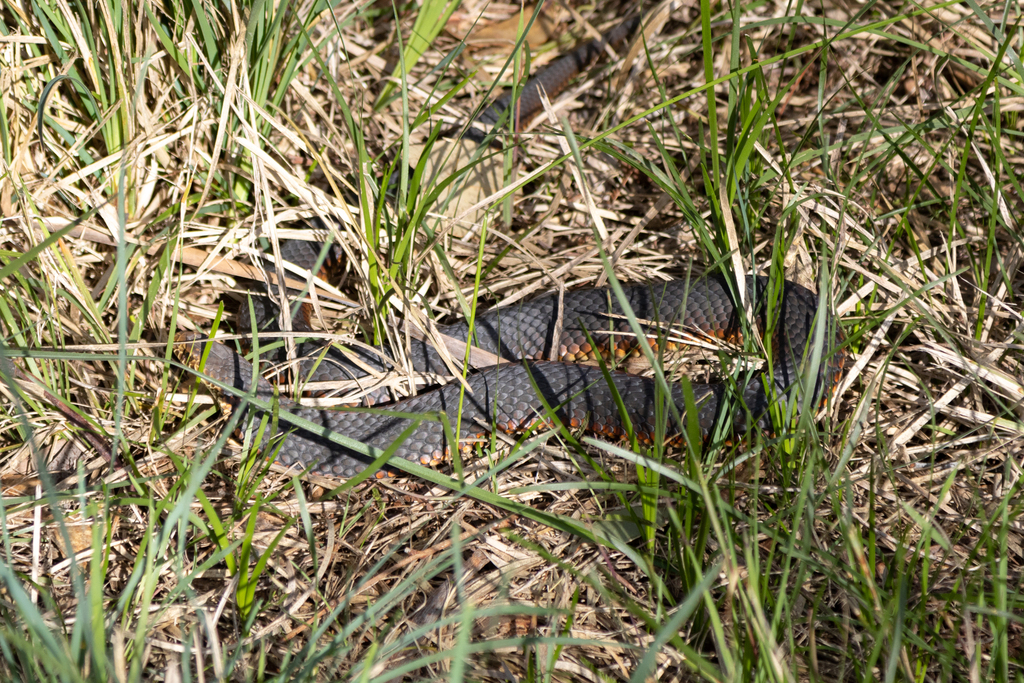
<point x="869" y="151"/>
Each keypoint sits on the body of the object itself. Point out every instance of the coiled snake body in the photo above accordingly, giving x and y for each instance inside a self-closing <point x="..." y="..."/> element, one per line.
<point x="513" y="396"/>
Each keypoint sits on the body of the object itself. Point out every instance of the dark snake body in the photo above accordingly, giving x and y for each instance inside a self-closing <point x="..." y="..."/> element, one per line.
<point x="512" y="396"/>
<point x="553" y="79"/>
<point x="508" y="396"/>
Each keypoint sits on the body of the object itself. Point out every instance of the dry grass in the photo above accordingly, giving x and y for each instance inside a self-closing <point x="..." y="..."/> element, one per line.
<point x="869" y="151"/>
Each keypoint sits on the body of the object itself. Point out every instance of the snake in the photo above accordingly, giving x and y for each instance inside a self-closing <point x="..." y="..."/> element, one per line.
<point x="551" y="346"/>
